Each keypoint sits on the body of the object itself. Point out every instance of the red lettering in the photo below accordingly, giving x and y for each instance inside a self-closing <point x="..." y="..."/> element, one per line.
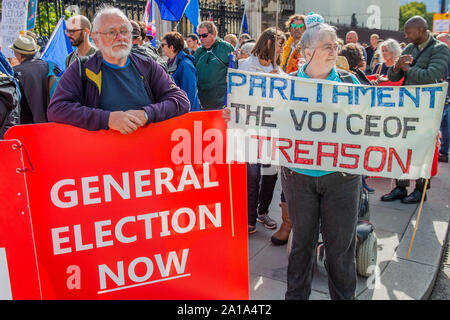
<point x="349" y="155"/>
<point x="321" y="153"/>
<point x="383" y="158"/>
<point x="297" y="159"/>
<point x="282" y="148"/>
<point x="260" y="142"/>
<point x="392" y="152"/>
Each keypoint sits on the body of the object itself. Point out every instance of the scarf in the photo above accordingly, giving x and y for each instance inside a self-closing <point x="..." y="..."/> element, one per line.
<point x="291" y="64"/>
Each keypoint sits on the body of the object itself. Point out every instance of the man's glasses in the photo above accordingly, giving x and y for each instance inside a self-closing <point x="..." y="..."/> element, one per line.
<point x="203" y="35"/>
<point x="297" y="25"/>
<point x="112" y="34"/>
<point x="68" y="32"/>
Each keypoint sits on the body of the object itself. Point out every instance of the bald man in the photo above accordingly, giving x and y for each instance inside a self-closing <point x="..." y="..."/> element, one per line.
<point x="423" y="61"/>
<point x="352" y="37"/>
<point x="78" y="30"/>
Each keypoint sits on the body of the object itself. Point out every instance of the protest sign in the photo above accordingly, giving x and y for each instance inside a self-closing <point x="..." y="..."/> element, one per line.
<point x="31" y="15"/>
<point x="14" y="20"/>
<point x="323" y="125"/>
<point x="18" y="268"/>
<point x="151" y="215"/>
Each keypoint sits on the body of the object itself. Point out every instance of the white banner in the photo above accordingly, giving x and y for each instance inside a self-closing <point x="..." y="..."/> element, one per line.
<point x="14" y="19"/>
<point x="322" y="125"/>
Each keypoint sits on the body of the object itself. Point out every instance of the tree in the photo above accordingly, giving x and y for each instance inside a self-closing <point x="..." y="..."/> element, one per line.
<point x="47" y="18"/>
<point x="414" y="9"/>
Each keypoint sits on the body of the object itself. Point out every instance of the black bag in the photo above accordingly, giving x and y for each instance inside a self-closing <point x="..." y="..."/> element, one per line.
<point x="9" y="104"/>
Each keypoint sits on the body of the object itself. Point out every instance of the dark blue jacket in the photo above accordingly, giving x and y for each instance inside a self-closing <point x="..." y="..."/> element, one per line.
<point x="185" y="77"/>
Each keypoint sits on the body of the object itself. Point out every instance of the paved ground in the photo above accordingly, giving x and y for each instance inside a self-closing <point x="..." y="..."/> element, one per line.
<point x="398" y="277"/>
<point x="441" y="290"/>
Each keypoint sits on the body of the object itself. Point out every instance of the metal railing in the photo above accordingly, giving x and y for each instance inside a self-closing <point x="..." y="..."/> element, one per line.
<point x="225" y="13"/>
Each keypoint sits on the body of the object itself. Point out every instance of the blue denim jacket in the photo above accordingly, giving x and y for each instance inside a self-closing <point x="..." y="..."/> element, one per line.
<point x="333" y="76"/>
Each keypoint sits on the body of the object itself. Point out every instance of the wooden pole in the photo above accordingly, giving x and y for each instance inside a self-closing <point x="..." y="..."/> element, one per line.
<point x="274" y="63"/>
<point x="231" y="199"/>
<point x="418" y="218"/>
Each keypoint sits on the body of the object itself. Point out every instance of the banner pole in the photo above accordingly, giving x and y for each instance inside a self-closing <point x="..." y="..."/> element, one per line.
<point x="276" y="36"/>
<point x="418" y="218"/>
<point x="231" y="199"/>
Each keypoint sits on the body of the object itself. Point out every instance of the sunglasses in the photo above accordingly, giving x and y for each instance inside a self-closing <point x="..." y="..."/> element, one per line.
<point x="203" y="35"/>
<point x="295" y="25"/>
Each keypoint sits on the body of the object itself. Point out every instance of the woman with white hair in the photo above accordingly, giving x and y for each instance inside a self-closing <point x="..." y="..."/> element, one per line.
<point x="321" y="198"/>
<point x="390" y="52"/>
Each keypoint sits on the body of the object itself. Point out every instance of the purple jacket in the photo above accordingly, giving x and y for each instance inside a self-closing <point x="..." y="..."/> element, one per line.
<point x="68" y="105"/>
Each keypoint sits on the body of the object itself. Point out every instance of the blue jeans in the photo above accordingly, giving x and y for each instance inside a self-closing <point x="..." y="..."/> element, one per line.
<point x="445" y="131"/>
<point x="331" y="202"/>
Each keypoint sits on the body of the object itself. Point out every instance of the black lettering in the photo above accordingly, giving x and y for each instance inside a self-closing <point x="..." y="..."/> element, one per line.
<point x="265" y="115"/>
<point x="236" y="107"/>
<point x="407" y="128"/>
<point x="354" y="115"/>
<point x="298" y="126"/>
<point x="324" y="121"/>
<point x="385" y="127"/>
<point x="370" y="124"/>
<point x="256" y="114"/>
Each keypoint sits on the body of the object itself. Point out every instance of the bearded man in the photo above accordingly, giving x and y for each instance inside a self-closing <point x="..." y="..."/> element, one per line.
<point x="78" y="31"/>
<point x="116" y="89"/>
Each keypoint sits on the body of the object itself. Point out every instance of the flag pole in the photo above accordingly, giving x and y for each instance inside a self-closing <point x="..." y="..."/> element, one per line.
<point x="242" y="22"/>
<point x="418" y="218"/>
<point x="178" y="22"/>
<point x="276" y="36"/>
<point x="53" y="34"/>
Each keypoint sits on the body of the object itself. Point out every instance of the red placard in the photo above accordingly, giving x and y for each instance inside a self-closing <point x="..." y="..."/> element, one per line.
<point x="18" y="267"/>
<point x="385" y="83"/>
<point x="118" y="217"/>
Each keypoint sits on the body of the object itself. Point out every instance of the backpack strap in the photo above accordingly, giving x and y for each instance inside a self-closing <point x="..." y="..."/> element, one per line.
<point x="345" y="76"/>
<point x="81" y="60"/>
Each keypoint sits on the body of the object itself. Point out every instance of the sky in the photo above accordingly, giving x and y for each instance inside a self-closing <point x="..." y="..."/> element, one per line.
<point x="432" y="5"/>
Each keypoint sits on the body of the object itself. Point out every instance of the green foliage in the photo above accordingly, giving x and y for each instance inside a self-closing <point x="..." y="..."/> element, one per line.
<point x="47" y="18"/>
<point x="414" y="9"/>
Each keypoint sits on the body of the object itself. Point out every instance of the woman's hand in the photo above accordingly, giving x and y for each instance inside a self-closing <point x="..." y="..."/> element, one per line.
<point x="226" y="114"/>
<point x="379" y="80"/>
<point x="438" y="140"/>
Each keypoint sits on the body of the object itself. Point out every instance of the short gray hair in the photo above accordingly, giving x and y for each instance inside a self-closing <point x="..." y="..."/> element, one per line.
<point x="107" y="10"/>
<point x="315" y="34"/>
<point x="247" y="47"/>
<point x="392" y="46"/>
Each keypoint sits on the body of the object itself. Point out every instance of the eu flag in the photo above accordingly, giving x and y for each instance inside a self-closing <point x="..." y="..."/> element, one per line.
<point x="171" y="10"/>
<point x="58" y="47"/>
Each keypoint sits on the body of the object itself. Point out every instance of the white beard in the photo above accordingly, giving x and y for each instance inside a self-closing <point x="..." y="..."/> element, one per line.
<point x="116" y="54"/>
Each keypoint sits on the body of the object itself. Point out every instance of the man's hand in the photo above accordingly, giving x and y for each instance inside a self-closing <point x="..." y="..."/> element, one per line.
<point x="226" y="114"/>
<point x="124" y="122"/>
<point x="403" y="63"/>
<point x="141" y="114"/>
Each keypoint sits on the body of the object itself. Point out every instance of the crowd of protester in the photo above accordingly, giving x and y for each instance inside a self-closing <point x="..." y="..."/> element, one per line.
<point x="187" y="74"/>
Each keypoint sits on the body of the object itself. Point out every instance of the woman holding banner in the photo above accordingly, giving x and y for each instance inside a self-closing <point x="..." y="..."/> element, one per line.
<point x="321" y="198"/>
<point x="260" y="185"/>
